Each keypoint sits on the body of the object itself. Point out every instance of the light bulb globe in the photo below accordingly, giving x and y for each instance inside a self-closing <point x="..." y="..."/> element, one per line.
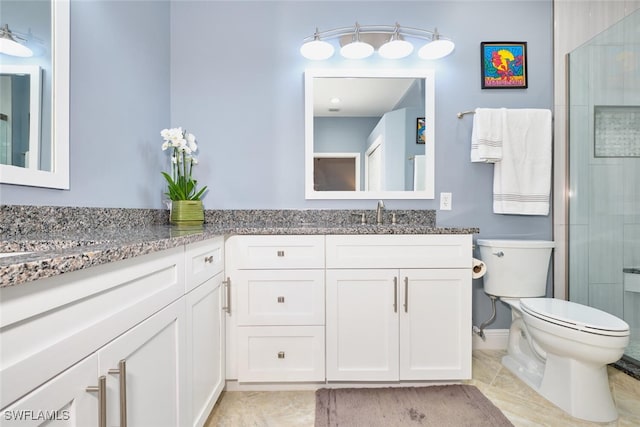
<point x="436" y="49"/>
<point x="13" y="48"/>
<point x="395" y="49"/>
<point x="317" y="50"/>
<point x="356" y="50"/>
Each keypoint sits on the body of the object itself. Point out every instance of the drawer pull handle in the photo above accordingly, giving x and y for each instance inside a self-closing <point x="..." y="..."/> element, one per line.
<point x="227" y="291"/>
<point x="280" y="253"/>
<point x="280" y="299"/>
<point x="122" y="372"/>
<point x="101" y="389"/>
<point x="281" y="355"/>
<point x="208" y="259"/>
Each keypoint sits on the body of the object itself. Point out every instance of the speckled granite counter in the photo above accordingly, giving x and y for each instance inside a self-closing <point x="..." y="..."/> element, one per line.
<point x="62" y="240"/>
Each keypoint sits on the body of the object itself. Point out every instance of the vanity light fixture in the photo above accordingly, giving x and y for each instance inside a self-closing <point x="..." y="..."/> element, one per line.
<point x="356" y="48"/>
<point x="438" y="48"/>
<point x="10" y="46"/>
<point x="391" y="42"/>
<point x="317" y="49"/>
<point x="396" y="47"/>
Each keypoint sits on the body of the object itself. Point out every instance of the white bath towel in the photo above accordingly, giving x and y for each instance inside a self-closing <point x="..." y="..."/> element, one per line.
<point x="487" y="135"/>
<point x="522" y="179"/>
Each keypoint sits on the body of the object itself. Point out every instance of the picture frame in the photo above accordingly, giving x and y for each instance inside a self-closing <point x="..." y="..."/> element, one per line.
<point x="504" y="65"/>
<point x="421" y="136"/>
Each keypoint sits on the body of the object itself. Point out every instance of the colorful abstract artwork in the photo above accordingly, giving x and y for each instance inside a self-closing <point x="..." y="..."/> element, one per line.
<point x="504" y="65"/>
<point x="421" y="136"/>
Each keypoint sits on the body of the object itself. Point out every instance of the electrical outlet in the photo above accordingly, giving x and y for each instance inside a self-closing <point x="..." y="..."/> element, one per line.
<point x="445" y="201"/>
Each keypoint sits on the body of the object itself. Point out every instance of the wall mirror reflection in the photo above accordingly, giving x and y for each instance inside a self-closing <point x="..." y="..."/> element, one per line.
<point x="20" y="116"/>
<point x="34" y="94"/>
<point x="369" y="134"/>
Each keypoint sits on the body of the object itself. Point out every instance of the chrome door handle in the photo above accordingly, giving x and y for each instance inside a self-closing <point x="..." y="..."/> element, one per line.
<point x="101" y="389"/>
<point x="122" y="372"/>
<point x="499" y="254"/>
<point x="395" y="294"/>
<point x="227" y="290"/>
<point x="406" y="294"/>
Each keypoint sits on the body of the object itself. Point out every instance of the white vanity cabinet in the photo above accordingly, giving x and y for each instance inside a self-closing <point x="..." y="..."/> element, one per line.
<point x="277" y="312"/>
<point x="205" y="318"/>
<point x="146" y="331"/>
<point x="398" y="307"/>
<point x="48" y="325"/>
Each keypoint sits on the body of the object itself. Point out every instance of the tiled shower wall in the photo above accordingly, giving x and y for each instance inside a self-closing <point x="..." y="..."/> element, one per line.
<point x="575" y="23"/>
<point x="604" y="207"/>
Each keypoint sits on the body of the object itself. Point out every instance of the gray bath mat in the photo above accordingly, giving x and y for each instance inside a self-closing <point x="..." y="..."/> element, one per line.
<point x="437" y="406"/>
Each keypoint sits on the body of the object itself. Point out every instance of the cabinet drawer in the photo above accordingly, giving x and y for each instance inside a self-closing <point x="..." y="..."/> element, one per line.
<point x="203" y="261"/>
<point x="280" y="297"/>
<point x="399" y="251"/>
<point x="276" y="252"/>
<point x="280" y="353"/>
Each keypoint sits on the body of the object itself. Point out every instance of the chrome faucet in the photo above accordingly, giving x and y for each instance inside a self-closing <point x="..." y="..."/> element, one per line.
<point x="379" y="211"/>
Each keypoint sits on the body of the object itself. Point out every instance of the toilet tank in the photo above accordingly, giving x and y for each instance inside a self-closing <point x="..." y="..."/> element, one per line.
<point x="515" y="268"/>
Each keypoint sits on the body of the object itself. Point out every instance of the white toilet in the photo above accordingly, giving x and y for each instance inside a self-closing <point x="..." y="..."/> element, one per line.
<point x="559" y="348"/>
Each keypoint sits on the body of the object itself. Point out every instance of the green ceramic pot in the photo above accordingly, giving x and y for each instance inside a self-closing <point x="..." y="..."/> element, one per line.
<point x="187" y="212"/>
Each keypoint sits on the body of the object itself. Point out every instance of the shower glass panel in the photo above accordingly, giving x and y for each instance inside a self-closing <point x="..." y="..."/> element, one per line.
<point x="604" y="175"/>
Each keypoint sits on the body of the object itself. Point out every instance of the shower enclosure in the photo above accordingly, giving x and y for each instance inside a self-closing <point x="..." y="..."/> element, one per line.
<point x="604" y="175"/>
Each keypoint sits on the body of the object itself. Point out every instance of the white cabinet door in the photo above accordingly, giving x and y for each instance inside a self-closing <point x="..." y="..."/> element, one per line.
<point x="62" y="401"/>
<point x="362" y="325"/>
<point x="435" y="324"/>
<point x="152" y="353"/>
<point x="205" y="348"/>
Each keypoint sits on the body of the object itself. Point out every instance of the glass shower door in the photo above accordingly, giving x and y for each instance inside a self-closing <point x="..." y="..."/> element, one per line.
<point x="604" y="175"/>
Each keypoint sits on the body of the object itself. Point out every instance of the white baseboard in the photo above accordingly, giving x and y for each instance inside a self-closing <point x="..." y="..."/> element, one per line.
<point x="495" y="339"/>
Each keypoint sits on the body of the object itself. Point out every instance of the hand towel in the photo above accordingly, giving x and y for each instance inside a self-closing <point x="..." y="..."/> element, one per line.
<point x="487" y="135"/>
<point x="522" y="179"/>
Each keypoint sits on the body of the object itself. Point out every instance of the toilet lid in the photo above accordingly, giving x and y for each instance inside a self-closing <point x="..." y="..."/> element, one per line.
<point x="575" y="316"/>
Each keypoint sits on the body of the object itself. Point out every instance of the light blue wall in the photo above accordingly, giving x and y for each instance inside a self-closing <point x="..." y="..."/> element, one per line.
<point x="236" y="81"/>
<point x="119" y="96"/>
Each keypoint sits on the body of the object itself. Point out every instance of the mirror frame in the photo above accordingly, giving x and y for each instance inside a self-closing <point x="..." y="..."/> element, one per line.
<point x="59" y="176"/>
<point x="428" y="75"/>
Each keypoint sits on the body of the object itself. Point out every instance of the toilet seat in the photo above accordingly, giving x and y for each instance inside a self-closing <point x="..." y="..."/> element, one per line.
<point x="575" y="316"/>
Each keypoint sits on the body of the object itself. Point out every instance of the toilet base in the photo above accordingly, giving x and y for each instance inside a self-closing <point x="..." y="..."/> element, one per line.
<point x="579" y="389"/>
<point x="531" y="377"/>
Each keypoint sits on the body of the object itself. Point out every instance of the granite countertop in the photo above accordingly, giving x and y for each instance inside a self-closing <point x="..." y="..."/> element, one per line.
<point x="66" y="250"/>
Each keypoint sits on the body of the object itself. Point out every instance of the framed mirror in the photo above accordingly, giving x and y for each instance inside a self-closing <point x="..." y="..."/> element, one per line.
<point x="369" y="134"/>
<point x="41" y="157"/>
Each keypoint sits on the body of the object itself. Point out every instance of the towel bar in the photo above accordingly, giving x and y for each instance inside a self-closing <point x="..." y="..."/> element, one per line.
<point x="463" y="113"/>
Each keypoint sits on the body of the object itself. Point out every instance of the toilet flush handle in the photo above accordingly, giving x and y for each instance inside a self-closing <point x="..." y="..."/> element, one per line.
<point x="499" y="254"/>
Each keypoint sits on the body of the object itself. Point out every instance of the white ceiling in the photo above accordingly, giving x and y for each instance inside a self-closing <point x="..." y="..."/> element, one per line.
<point x="359" y="97"/>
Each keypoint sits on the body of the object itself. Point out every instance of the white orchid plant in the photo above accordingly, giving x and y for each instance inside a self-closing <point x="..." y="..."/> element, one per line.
<point x="182" y="146"/>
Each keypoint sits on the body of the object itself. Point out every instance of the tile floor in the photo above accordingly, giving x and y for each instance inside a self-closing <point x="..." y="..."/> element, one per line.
<point x="518" y="402"/>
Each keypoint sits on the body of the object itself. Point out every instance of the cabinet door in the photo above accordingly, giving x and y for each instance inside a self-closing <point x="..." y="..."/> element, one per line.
<point x="362" y="325"/>
<point x="63" y="401"/>
<point x="152" y="352"/>
<point x="435" y="324"/>
<point x="205" y="349"/>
